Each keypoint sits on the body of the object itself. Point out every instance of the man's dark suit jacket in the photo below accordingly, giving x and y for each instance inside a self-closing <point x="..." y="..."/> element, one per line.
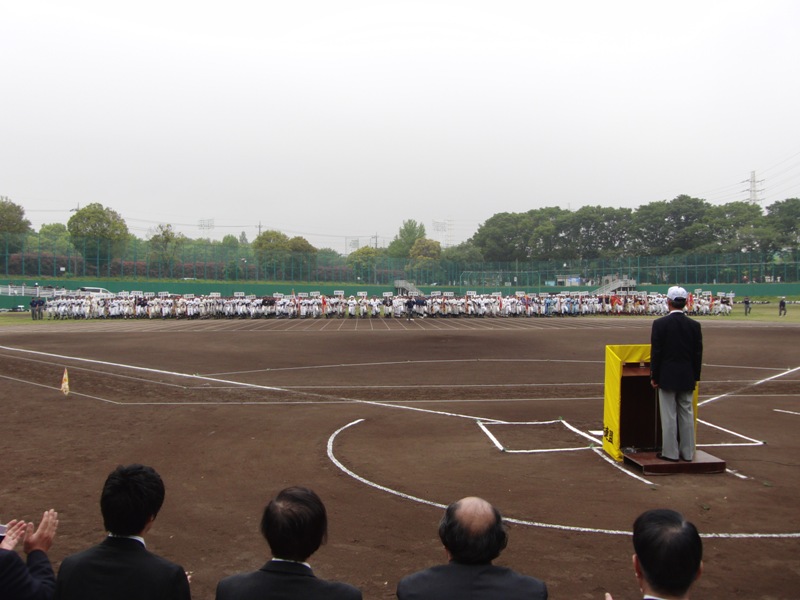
<point x="455" y="581"/>
<point x="122" y="569"/>
<point x="33" y="580"/>
<point x="676" y="352"/>
<point x="280" y="580"/>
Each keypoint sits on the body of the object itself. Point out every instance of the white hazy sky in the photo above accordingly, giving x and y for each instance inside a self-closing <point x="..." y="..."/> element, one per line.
<point x="339" y="119"/>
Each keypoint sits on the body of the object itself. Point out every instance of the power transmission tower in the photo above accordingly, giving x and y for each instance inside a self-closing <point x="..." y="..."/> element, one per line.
<point x="753" y="189"/>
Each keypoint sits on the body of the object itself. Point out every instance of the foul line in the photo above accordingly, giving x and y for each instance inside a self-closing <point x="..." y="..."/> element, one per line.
<point x="145" y="369"/>
<point x="788" y="412"/>
<point x="781" y="374"/>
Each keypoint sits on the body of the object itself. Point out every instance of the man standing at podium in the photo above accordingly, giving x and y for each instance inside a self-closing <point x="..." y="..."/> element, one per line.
<point x="676" y="355"/>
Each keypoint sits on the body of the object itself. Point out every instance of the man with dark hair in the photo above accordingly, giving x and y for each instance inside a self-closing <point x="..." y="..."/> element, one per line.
<point x="121" y="567"/>
<point x="295" y="525"/>
<point x="668" y="554"/>
<point x="473" y="535"/>
<point x="676" y="355"/>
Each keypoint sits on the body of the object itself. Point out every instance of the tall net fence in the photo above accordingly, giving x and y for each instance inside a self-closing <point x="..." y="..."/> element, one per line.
<point x="33" y="256"/>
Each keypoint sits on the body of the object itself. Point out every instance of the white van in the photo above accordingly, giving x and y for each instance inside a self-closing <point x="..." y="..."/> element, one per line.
<point x="95" y="291"/>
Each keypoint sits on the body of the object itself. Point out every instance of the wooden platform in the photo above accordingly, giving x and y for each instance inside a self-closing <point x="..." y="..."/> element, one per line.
<point x="649" y="464"/>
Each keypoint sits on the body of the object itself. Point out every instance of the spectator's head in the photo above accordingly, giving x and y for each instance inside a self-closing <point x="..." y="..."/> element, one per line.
<point x="472" y="531"/>
<point x="295" y="524"/>
<point x="131" y="499"/>
<point x="669" y="552"/>
<point x="677" y="296"/>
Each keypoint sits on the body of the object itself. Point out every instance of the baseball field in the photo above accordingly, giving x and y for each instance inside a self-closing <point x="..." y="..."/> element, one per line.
<point x="389" y="421"/>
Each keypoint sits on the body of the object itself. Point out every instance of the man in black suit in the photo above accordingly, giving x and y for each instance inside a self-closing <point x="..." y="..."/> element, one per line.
<point x="473" y="535"/>
<point x="121" y="567"/>
<point x="295" y="524"/>
<point x="33" y="579"/>
<point x="668" y="554"/>
<point x="676" y="355"/>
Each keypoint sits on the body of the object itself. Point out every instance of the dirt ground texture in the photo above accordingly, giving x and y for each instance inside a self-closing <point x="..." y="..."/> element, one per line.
<point x="381" y="418"/>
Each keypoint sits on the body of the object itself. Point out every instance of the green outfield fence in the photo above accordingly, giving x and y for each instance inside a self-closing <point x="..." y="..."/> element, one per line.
<point x="33" y="257"/>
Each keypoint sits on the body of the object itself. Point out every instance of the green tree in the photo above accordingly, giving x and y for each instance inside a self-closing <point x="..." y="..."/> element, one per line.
<point x="735" y="227"/>
<point x="464" y="253"/>
<point x="688" y="218"/>
<point x="98" y="232"/>
<point x="597" y="231"/>
<point x="301" y="244"/>
<point x="784" y="219"/>
<point x="425" y="249"/>
<point x="504" y="237"/>
<point x="410" y="232"/>
<point x="304" y="256"/>
<point x="330" y="258"/>
<point x="165" y="244"/>
<point x="53" y="238"/>
<point x="230" y="243"/>
<point x="675" y="227"/>
<point x="364" y="261"/>
<point x="13" y="225"/>
<point x="272" y="250"/>
<point x="425" y="264"/>
<point x="651" y="232"/>
<point x="550" y="235"/>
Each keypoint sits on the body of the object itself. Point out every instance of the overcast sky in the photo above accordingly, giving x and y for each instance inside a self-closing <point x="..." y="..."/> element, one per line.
<point x="340" y="119"/>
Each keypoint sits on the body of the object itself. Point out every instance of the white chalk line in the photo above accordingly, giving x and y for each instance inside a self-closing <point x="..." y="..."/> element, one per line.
<point x="776" y="376"/>
<point x="744" y="367"/>
<point x="493" y="400"/>
<point x="491" y="436"/>
<point x="562" y="422"/>
<point x="455" y="361"/>
<point x="529" y="523"/>
<point x="110" y="374"/>
<point x="442" y="385"/>
<point x="406" y="362"/>
<point x="58" y="389"/>
<point x="170" y="373"/>
<point x="788" y="412"/>
<point x="144" y="369"/>
<point x="503" y="385"/>
<point x="619" y="466"/>
<point x="419" y="500"/>
<point x="753" y="442"/>
<point x="428" y="411"/>
<point x="596" y="445"/>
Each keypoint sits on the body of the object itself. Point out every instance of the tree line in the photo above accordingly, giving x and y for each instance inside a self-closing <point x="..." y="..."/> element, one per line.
<point x="682" y="226"/>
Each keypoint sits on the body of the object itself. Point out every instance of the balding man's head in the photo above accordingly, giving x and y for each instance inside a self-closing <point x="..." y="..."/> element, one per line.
<point x="472" y="531"/>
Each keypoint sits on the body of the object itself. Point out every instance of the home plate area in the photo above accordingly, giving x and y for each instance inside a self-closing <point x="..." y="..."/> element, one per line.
<point x="537" y="436"/>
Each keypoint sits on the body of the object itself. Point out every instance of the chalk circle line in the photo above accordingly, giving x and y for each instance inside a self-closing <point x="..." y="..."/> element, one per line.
<point x="525" y="522"/>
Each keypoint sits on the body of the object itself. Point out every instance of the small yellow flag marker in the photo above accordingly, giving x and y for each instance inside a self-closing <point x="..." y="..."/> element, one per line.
<point x="65" y="383"/>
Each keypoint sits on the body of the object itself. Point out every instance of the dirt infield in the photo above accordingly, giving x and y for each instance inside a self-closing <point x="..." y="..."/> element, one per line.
<point x="389" y="420"/>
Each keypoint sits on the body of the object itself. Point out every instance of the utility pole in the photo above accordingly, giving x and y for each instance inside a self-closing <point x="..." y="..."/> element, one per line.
<point x="753" y="189"/>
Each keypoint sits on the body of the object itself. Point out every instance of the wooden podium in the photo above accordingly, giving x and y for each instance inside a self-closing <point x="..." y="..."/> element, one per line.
<point x="631" y="419"/>
<point x="640" y="420"/>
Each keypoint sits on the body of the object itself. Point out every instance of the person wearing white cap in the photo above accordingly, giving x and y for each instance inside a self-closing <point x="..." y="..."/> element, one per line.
<point x="676" y="356"/>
